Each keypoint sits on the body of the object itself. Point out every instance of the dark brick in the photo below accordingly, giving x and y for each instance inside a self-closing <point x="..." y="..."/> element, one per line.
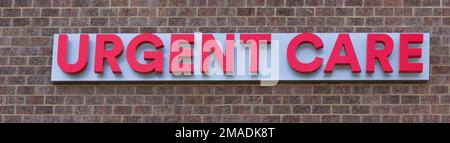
<point x="80" y="3"/>
<point x="285" y="11"/>
<point x="21" y="21"/>
<point x="6" y="109"/>
<point x="351" y="100"/>
<point x="74" y="100"/>
<point x="411" y="119"/>
<point x="433" y="99"/>
<point x="83" y="110"/>
<point x="391" y="119"/>
<point x="63" y="3"/>
<point x="321" y="89"/>
<point x="50" y="12"/>
<point x="173" y="99"/>
<point x="54" y="99"/>
<point x="351" y="119"/>
<point x="246" y="11"/>
<point x="439" y="89"/>
<point x="412" y="3"/>
<point x="241" y="109"/>
<point x="360" y="109"/>
<point x="331" y="100"/>
<point x="392" y="2"/>
<point x="75" y="90"/>
<point x="102" y="110"/>
<point x="313" y="3"/>
<point x="294" y="3"/>
<point x="44" y="110"/>
<point x="177" y="3"/>
<point x="390" y="99"/>
<point x="321" y="109"/>
<point x="19" y="3"/>
<point x="6" y="3"/>
<point x="371" y="119"/>
<point x="201" y="109"/>
<point x="304" y="12"/>
<point x="324" y="12"/>
<point x="104" y="90"/>
<point x="330" y="119"/>
<point x="122" y="110"/>
<point x="353" y="2"/>
<point x="63" y="110"/>
<point x="301" y="109"/>
<point x="24" y="109"/>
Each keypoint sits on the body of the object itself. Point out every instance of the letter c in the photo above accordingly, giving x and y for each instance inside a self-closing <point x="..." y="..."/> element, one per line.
<point x="297" y="65"/>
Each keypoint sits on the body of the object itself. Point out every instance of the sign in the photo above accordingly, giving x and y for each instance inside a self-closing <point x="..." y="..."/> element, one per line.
<point x="240" y="56"/>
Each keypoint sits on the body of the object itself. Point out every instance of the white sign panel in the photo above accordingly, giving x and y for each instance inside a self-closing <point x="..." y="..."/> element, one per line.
<point x="240" y="56"/>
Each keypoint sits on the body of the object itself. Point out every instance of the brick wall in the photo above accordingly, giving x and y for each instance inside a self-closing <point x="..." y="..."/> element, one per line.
<point x="27" y="95"/>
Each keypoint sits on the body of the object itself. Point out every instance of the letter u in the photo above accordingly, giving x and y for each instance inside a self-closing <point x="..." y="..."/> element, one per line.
<point x="81" y="62"/>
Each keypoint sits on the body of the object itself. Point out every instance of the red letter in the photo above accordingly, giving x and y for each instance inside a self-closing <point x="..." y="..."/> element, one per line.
<point x="110" y="55"/>
<point x="406" y="53"/>
<point x="178" y="54"/>
<point x="343" y="40"/>
<point x="381" y="55"/>
<point x="254" y="48"/>
<point x="81" y="63"/>
<point x="292" y="48"/>
<point x="210" y="46"/>
<point x="157" y="62"/>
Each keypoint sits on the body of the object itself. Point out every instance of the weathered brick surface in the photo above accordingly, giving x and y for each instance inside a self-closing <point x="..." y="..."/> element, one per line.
<point x="27" y="95"/>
